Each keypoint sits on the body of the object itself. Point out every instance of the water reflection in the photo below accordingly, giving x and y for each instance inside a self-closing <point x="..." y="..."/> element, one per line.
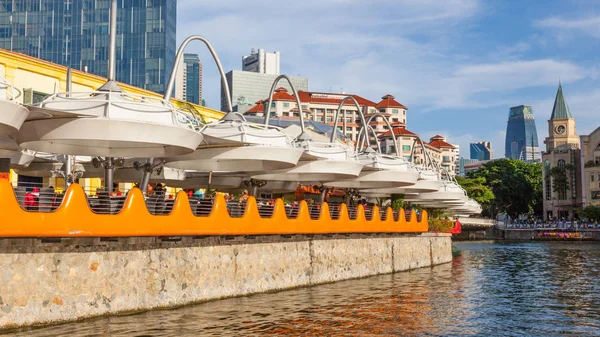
<point x="490" y="289"/>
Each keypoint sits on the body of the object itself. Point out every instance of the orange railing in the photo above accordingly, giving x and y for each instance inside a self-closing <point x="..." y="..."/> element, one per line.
<point x="74" y="218"/>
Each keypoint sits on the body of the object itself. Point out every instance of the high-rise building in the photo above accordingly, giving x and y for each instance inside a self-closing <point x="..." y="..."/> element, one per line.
<point x="75" y="34"/>
<point x="262" y="62"/>
<point x="249" y="87"/>
<point x="561" y="173"/>
<point x="521" y="135"/>
<point x="188" y="85"/>
<point x="482" y="151"/>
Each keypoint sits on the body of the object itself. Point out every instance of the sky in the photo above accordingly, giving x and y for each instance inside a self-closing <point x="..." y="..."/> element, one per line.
<point x="458" y="65"/>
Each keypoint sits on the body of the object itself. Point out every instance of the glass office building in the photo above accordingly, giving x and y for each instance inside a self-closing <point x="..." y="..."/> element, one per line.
<point x="521" y="135"/>
<point x="74" y="33"/>
<point x="481" y="151"/>
<point x="193" y="78"/>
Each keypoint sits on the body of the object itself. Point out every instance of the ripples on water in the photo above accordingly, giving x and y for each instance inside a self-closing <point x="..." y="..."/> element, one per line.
<point x="524" y="289"/>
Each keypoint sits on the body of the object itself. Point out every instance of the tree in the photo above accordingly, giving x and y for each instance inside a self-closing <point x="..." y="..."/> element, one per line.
<point x="478" y="190"/>
<point x="516" y="185"/>
<point x="591" y="212"/>
<point x="397" y="201"/>
<point x="560" y="179"/>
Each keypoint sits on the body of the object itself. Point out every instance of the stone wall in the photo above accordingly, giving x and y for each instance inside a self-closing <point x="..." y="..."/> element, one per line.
<point x="69" y="279"/>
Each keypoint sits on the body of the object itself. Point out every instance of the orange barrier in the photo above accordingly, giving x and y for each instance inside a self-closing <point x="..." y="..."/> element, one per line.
<point x="74" y="218"/>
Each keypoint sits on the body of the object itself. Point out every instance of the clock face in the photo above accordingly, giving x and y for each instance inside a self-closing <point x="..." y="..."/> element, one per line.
<point x="560" y="129"/>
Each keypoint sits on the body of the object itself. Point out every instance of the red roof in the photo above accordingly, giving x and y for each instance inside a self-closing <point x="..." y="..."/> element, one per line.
<point x="331" y="98"/>
<point x="342" y="124"/>
<point x="398" y="131"/>
<point x="439" y="142"/>
<point x="281" y="94"/>
<point x="388" y="101"/>
<point x="259" y="107"/>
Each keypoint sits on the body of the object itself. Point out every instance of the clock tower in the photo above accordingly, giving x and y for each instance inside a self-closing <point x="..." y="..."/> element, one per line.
<point x="561" y="126"/>
<point x="561" y="174"/>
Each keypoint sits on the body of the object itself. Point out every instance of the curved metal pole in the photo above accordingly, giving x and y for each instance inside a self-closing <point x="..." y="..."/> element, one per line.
<point x="376" y="114"/>
<point x="337" y="117"/>
<point x="303" y="135"/>
<point x="364" y="133"/>
<point x="425" y="153"/>
<point x="179" y="58"/>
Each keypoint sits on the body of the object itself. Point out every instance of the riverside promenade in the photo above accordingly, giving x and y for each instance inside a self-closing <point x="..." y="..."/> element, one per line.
<point x="71" y="263"/>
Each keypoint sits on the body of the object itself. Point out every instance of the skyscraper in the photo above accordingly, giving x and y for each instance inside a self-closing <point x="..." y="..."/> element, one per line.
<point x="189" y="79"/>
<point x="75" y="34"/>
<point x="521" y="135"/>
<point x="482" y="151"/>
<point x="262" y="62"/>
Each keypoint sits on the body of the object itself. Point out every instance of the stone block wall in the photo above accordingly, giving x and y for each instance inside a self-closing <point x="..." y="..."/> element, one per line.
<point x="69" y="279"/>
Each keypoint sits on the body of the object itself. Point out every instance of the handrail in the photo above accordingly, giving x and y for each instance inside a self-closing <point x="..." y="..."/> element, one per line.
<point x="303" y="135"/>
<point x="73" y="218"/>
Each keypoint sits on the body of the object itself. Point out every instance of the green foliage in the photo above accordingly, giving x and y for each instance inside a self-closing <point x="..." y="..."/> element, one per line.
<point x="560" y="179"/>
<point x="397" y="201"/>
<point x="476" y="189"/>
<point x="516" y="185"/>
<point x="591" y="212"/>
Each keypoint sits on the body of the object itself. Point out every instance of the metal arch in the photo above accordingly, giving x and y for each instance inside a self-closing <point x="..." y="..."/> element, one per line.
<point x="425" y="154"/>
<point x="178" y="59"/>
<point x="337" y="116"/>
<point x="387" y="122"/>
<point x="303" y="135"/>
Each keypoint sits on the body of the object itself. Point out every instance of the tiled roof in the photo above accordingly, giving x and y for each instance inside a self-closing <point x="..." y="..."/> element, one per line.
<point x="281" y="94"/>
<point x="259" y="107"/>
<point x="388" y="101"/>
<point x="561" y="109"/>
<point x="398" y="131"/>
<point x="342" y="124"/>
<point x="439" y="142"/>
<point x="331" y="98"/>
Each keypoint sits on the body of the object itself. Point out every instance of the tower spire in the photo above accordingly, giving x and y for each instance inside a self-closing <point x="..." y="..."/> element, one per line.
<point x="561" y="109"/>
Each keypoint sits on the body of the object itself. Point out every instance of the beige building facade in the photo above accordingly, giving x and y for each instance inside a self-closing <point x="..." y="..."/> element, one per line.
<point x="590" y="168"/>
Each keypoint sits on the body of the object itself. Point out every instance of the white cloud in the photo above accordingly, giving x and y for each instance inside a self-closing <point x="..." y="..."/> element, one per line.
<point x="588" y="25"/>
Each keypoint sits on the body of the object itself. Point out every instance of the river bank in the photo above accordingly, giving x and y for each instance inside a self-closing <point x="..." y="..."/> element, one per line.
<point x="55" y="281"/>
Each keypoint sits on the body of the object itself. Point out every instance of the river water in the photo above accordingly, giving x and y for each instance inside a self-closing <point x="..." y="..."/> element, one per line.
<point x="490" y="289"/>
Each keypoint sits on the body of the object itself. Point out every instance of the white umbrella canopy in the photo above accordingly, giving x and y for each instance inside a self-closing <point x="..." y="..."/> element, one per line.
<point x="235" y="145"/>
<point x="323" y="162"/>
<point x="108" y="123"/>
<point x="380" y="171"/>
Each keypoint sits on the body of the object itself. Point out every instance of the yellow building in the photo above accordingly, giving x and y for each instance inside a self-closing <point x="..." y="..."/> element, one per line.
<point x="37" y="78"/>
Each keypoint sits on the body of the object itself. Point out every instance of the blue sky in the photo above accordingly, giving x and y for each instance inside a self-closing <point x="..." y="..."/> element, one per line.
<point x="458" y="65"/>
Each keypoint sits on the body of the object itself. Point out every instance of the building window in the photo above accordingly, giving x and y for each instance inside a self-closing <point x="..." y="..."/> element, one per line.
<point x="272" y="104"/>
<point x="381" y="110"/>
<point x="395" y="111"/>
<point x="446" y="159"/>
<point x="348" y="128"/>
<point x="330" y="119"/>
<point x="319" y="119"/>
<point x="561" y="164"/>
<point x="548" y="189"/>
<point x="392" y="149"/>
<point x="405" y="147"/>
<point x="286" y="105"/>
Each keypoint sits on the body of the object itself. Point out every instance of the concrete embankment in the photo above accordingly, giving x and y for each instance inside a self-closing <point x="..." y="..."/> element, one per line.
<point x="69" y="279"/>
